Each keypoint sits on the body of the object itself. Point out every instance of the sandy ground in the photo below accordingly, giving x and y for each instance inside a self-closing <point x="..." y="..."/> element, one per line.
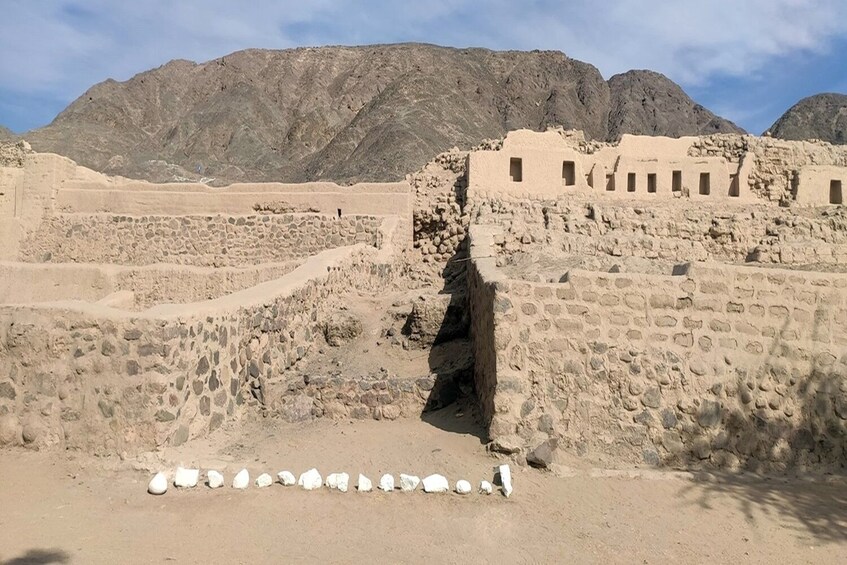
<point x="71" y="508"/>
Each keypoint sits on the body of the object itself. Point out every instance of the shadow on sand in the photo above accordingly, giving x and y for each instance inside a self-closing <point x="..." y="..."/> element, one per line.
<point x="39" y="557"/>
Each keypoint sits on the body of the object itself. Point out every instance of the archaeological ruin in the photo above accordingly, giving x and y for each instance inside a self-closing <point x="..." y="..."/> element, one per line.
<point x="662" y="302"/>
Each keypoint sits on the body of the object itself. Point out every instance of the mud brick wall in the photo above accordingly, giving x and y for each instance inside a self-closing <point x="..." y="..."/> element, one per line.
<point x="193" y="240"/>
<point x="717" y="366"/>
<point x="109" y="381"/>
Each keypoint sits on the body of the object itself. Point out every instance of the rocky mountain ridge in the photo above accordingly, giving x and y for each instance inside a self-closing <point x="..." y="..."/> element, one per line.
<point x="351" y="113"/>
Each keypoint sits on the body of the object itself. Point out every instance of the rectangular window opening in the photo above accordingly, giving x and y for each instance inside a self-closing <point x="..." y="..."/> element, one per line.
<point x="339" y="212"/>
<point x="705" y="184"/>
<point x="835" y="194"/>
<point x="651" y="182"/>
<point x="630" y="182"/>
<point x="516" y="169"/>
<point x="676" y="183"/>
<point x="569" y="173"/>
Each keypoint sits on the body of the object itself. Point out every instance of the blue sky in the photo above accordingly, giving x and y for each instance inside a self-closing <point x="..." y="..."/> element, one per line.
<point x="747" y="60"/>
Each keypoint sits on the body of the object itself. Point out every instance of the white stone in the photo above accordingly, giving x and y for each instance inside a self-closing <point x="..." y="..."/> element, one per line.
<point x="241" y="480"/>
<point x="158" y="484"/>
<point x="310" y="480"/>
<point x="338" y="481"/>
<point x="408" y="483"/>
<point x="485" y="487"/>
<point x="186" y="478"/>
<point x="215" y="479"/>
<point x="386" y="483"/>
<point x="463" y="487"/>
<point x="286" y="478"/>
<point x="505" y="479"/>
<point x="264" y="480"/>
<point x="364" y="484"/>
<point x="436" y="483"/>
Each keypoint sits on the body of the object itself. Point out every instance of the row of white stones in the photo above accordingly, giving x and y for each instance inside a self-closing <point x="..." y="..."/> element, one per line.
<point x="312" y="480"/>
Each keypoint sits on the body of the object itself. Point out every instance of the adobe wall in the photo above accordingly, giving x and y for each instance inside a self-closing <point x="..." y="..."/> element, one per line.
<point x="22" y="283"/>
<point x="45" y="198"/>
<point x="106" y="380"/>
<point x="192" y="240"/>
<point x="720" y="366"/>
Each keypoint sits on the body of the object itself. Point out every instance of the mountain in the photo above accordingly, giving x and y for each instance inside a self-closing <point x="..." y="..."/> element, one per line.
<point x="823" y="116"/>
<point x="649" y="103"/>
<point x="6" y="134"/>
<point x="350" y="113"/>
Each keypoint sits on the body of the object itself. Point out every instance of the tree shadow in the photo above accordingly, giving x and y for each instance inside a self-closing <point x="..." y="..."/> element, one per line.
<point x="819" y="507"/>
<point x="39" y="557"/>
<point x="784" y="425"/>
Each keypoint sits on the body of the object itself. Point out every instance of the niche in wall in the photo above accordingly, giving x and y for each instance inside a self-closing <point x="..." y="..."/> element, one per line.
<point x="630" y="182"/>
<point x="651" y="182"/>
<point x="516" y="169"/>
<point x="610" y="183"/>
<point x="705" y="184"/>
<point x="835" y="194"/>
<point x="734" y="190"/>
<point x="569" y="173"/>
<point x="676" y="182"/>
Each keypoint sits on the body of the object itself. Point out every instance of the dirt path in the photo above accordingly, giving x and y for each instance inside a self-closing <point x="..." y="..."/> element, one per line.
<point x="57" y="508"/>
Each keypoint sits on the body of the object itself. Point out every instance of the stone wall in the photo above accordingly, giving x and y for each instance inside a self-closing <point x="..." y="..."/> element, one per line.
<point x="676" y="231"/>
<point x="193" y="240"/>
<point x="719" y="366"/>
<point x="106" y="380"/>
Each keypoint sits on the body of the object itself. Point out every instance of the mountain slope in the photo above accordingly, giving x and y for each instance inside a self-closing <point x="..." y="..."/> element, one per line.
<point x="649" y="103"/>
<point x="349" y="113"/>
<point x="823" y="116"/>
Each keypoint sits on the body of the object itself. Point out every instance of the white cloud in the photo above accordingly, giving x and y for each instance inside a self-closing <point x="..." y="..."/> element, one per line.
<point x="62" y="47"/>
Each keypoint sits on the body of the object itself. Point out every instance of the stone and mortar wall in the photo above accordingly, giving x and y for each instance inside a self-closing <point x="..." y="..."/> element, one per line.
<point x="109" y="381"/>
<point x="675" y="231"/>
<point x="193" y="240"/>
<point x="720" y="366"/>
<point x="775" y="161"/>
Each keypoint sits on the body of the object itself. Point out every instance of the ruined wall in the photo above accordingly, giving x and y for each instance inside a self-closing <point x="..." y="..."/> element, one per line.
<point x="719" y="366"/>
<point x="676" y="231"/>
<point x="192" y="240"/>
<point x="105" y="380"/>
<point x="22" y="283"/>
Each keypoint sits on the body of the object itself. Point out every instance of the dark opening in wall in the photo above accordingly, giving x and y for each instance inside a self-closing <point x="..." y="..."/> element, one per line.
<point x="630" y="182"/>
<point x="705" y="184"/>
<point x="651" y="182"/>
<point x="610" y="183"/>
<point x="339" y="212"/>
<point x="516" y="169"/>
<point x="569" y="173"/>
<point x="676" y="183"/>
<point x="835" y="194"/>
<point x="733" y="186"/>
